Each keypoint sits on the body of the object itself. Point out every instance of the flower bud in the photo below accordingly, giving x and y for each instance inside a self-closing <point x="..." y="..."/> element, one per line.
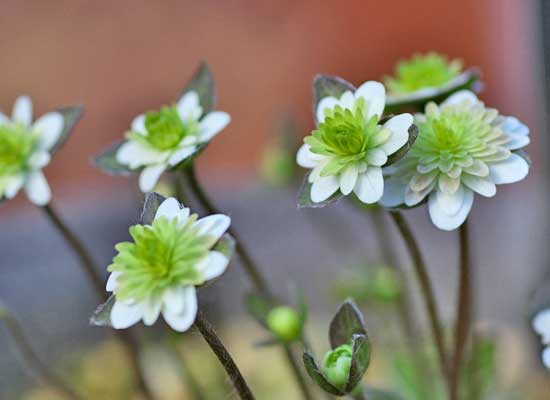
<point x="285" y="323"/>
<point x="336" y="365"/>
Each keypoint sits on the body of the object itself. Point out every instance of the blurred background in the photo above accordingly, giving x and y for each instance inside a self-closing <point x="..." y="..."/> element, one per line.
<point x="121" y="58"/>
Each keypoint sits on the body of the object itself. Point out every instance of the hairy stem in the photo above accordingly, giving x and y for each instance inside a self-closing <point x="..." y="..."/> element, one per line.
<point x="209" y="335"/>
<point x="425" y="287"/>
<point x="32" y="359"/>
<point x="88" y="265"/>
<point x="251" y="270"/>
<point x="464" y="313"/>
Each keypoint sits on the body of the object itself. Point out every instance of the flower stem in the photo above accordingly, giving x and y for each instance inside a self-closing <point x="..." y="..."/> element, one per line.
<point x="252" y="271"/>
<point x="464" y="312"/>
<point x="88" y="265"/>
<point x="209" y="335"/>
<point x="425" y="287"/>
<point x="32" y="359"/>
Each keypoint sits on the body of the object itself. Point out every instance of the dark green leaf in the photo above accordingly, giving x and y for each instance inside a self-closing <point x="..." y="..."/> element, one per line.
<point x="360" y="360"/>
<point x="304" y="197"/>
<point x="315" y="374"/>
<point x="71" y="115"/>
<point x="107" y="162"/>
<point x="258" y="307"/>
<point x="325" y="86"/>
<point x="152" y="202"/>
<point x="399" y="154"/>
<point x="202" y="82"/>
<point x="347" y="322"/>
<point x="102" y="315"/>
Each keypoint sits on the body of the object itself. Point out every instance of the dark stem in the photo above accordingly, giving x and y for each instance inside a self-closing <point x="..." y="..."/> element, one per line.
<point x="209" y="335"/>
<point x="88" y="265"/>
<point x="250" y="268"/>
<point x="32" y="359"/>
<point x="464" y="313"/>
<point x="425" y="287"/>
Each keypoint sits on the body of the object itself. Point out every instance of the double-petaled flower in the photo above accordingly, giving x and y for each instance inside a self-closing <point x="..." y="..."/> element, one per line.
<point x="462" y="148"/>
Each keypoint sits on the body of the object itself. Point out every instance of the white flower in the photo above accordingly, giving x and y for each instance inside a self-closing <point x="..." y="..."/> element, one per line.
<point x="546" y="357"/>
<point x="541" y="325"/>
<point x="348" y="149"/>
<point x="462" y="147"/>
<point x="25" y="148"/>
<point x="158" y="272"/>
<point x="161" y="140"/>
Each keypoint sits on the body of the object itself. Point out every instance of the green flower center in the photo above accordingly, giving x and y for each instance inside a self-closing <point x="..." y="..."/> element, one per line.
<point x="336" y="365"/>
<point x="165" y="129"/>
<point x="17" y="144"/>
<point x="163" y="255"/>
<point x="346" y="136"/>
<point x="421" y="71"/>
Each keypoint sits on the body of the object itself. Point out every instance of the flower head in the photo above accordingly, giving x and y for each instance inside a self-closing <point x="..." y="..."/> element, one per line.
<point x="349" y="147"/>
<point x="160" y="140"/>
<point x="158" y="271"/>
<point x="26" y="148"/>
<point x="462" y="147"/>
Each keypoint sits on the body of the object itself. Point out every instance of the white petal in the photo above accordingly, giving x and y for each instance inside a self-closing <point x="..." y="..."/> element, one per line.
<point x="181" y="155"/>
<point x="326" y="102"/>
<point x="174" y="299"/>
<point x="138" y="124"/>
<point x="348" y="178"/>
<point x="39" y="160"/>
<point x="211" y="124"/>
<point x="512" y="125"/>
<point x="22" y="111"/>
<point x="135" y="154"/>
<point x="376" y="157"/>
<point x="305" y="158"/>
<point x="149" y="177"/>
<point x="394" y="193"/>
<point x="517" y="141"/>
<point x="213" y="265"/>
<point x="169" y="208"/>
<point x="440" y="216"/>
<point x="189" y="107"/>
<point x="183" y="320"/>
<point x="324" y="187"/>
<point x="13" y="186"/>
<point x="399" y="126"/>
<point x="370" y="185"/>
<point x="511" y="170"/>
<point x="541" y="325"/>
<point x="150" y="310"/>
<point x="49" y="126"/>
<point x="460" y="97"/>
<point x="413" y="197"/>
<point x="37" y="188"/>
<point x="374" y="94"/>
<point x="347" y="100"/>
<point x="546" y="357"/>
<point x="3" y="119"/>
<point x="483" y="186"/>
<point x="112" y="281"/>
<point x="214" y="225"/>
<point x="124" y="315"/>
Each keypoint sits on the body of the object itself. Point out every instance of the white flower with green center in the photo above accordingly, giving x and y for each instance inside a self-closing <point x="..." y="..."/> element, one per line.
<point x="159" y="271"/>
<point x="462" y="147"/>
<point x="348" y="149"/>
<point x="25" y="148"/>
<point x="160" y="140"/>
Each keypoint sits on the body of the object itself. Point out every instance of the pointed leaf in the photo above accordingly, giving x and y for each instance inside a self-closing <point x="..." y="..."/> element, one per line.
<point x="304" y="196"/>
<point x="71" y="115"/>
<point x="360" y="360"/>
<point x="202" y="82"/>
<point x="258" y="307"/>
<point x="107" y="162"/>
<point x="152" y="202"/>
<point x="102" y="315"/>
<point x="347" y="322"/>
<point x="399" y="154"/>
<point x="325" y="86"/>
<point x="315" y="374"/>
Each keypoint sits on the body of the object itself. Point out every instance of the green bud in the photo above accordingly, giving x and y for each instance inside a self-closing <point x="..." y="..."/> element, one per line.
<point x="285" y="323"/>
<point x="336" y="365"/>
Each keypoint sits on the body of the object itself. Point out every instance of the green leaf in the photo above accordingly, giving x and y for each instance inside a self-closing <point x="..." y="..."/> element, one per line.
<point x="152" y="202"/>
<point x="347" y="322"/>
<point x="360" y="360"/>
<point x="107" y="162"/>
<point x="202" y="82"/>
<point x="304" y="197"/>
<point x="258" y="307"/>
<point x="313" y="371"/>
<point x="399" y="154"/>
<point x="71" y="115"/>
<point x="325" y="86"/>
<point x="102" y="315"/>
